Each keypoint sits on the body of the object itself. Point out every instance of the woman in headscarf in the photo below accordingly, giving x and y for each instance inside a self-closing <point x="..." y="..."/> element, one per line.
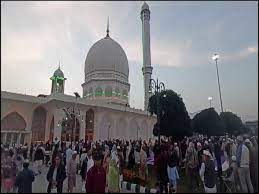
<point x="113" y="173"/>
<point x="143" y="163"/>
<point x="150" y="161"/>
<point x="106" y="160"/>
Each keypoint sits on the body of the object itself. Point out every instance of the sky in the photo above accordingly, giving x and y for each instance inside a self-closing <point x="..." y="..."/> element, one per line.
<point x="36" y="35"/>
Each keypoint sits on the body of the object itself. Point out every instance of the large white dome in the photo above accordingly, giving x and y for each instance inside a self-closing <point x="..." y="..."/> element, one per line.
<point x="106" y="55"/>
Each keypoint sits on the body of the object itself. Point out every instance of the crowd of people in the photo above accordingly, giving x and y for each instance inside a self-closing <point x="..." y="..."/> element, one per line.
<point x="204" y="163"/>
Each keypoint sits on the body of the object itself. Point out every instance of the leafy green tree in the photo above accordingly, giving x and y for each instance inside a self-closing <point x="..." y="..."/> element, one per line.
<point x="175" y="120"/>
<point x="233" y="123"/>
<point x="208" y="122"/>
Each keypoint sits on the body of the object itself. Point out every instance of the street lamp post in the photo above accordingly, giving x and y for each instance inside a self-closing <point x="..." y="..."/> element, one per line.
<point x="73" y="112"/>
<point x="215" y="58"/>
<point x="210" y="99"/>
<point x="158" y="87"/>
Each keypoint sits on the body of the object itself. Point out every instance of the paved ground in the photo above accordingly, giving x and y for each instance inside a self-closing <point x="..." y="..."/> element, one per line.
<point x="40" y="184"/>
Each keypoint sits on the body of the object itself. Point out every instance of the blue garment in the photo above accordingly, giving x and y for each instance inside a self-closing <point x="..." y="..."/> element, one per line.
<point x="172" y="174"/>
<point x="239" y="153"/>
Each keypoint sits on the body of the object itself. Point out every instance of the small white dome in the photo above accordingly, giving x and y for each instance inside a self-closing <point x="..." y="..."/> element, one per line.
<point x="107" y="55"/>
<point x="59" y="73"/>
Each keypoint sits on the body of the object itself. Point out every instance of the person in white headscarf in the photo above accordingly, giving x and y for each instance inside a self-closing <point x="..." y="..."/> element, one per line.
<point x="113" y="172"/>
<point x="143" y="163"/>
<point x="128" y="148"/>
<point x="114" y="155"/>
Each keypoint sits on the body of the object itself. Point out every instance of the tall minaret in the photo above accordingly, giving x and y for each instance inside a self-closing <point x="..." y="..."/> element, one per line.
<point x="146" y="69"/>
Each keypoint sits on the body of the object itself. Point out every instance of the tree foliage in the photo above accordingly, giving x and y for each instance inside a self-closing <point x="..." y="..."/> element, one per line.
<point x="208" y="122"/>
<point x="175" y="120"/>
<point x="233" y="123"/>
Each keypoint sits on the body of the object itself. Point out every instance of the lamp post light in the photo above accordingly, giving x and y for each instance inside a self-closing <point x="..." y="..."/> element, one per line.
<point x="158" y="87"/>
<point x="215" y="58"/>
<point x="210" y="99"/>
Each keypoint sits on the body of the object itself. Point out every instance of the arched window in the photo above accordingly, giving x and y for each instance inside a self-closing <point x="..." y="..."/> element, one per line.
<point x="38" y="124"/>
<point x="13" y="122"/>
<point x="117" y="92"/>
<point x="134" y="129"/>
<point x="91" y="92"/>
<point x="108" y="91"/>
<point x="69" y="131"/>
<point x="125" y="94"/>
<point x="121" y="127"/>
<point x="98" y="91"/>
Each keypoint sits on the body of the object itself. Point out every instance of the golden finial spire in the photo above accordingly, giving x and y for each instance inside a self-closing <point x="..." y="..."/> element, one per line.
<point x="107" y="31"/>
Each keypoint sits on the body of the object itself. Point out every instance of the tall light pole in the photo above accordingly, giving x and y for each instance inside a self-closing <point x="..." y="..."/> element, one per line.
<point x="210" y="99"/>
<point x="158" y="87"/>
<point x="72" y="113"/>
<point x="215" y="58"/>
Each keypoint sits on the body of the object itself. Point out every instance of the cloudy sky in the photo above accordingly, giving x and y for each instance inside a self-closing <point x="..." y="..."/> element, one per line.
<point x="35" y="36"/>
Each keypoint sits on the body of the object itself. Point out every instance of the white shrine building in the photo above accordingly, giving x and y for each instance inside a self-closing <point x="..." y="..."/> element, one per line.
<point x="102" y="112"/>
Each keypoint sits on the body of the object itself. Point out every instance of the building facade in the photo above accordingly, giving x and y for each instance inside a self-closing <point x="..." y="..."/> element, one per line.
<point x="102" y="112"/>
<point x="28" y="119"/>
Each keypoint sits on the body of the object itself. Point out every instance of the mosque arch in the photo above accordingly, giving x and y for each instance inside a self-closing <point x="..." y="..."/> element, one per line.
<point x="121" y="125"/>
<point x="98" y="91"/>
<point x="70" y="129"/>
<point x="38" y="124"/>
<point x="89" y="124"/>
<point x="13" y="122"/>
<point x="133" y="129"/>
<point x="106" y="127"/>
<point x="143" y="132"/>
<point x="108" y="91"/>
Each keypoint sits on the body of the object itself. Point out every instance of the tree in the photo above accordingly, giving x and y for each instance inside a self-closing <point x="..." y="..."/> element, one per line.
<point x="174" y="118"/>
<point x="208" y="122"/>
<point x="233" y="123"/>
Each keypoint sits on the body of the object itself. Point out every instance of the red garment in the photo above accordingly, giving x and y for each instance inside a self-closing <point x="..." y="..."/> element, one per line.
<point x="96" y="180"/>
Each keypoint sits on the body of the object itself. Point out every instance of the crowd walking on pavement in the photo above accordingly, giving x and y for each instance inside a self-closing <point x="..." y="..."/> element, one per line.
<point x="212" y="164"/>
